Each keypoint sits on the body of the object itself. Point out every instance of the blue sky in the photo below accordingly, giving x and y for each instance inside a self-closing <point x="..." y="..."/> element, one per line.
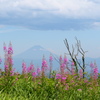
<point x="48" y="22"/>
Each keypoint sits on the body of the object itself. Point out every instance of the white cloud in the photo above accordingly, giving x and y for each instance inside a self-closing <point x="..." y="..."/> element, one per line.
<point x="96" y="25"/>
<point x="67" y="8"/>
<point x="48" y="11"/>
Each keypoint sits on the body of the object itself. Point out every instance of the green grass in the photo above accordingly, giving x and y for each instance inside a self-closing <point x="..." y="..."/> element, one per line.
<point x="48" y="89"/>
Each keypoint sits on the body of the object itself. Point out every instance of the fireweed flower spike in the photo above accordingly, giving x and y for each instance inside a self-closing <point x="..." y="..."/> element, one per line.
<point x="72" y="64"/>
<point x="65" y="59"/>
<point x="50" y="60"/>
<point x="10" y="50"/>
<point x="12" y="72"/>
<point x="30" y="69"/>
<point x="0" y="60"/>
<point x="94" y="70"/>
<point x="91" y="65"/>
<point x="38" y="71"/>
<point x="62" y="68"/>
<point x="5" y="48"/>
<point x="96" y="73"/>
<point x="8" y="57"/>
<point x="58" y="76"/>
<point x="34" y="74"/>
<point x="72" y="70"/>
<point x="61" y="63"/>
<point x="81" y="73"/>
<point x="24" y="69"/>
<point x="44" y="66"/>
<point x="6" y="68"/>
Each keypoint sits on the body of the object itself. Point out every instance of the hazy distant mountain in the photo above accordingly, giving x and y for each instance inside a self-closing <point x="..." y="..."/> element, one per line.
<point x="35" y="55"/>
<point x="36" y="52"/>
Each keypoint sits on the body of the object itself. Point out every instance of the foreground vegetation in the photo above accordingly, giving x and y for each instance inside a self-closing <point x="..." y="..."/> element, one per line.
<point x="50" y="89"/>
<point x="69" y="83"/>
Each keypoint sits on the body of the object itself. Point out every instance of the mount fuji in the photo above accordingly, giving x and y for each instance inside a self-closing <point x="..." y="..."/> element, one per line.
<point x="34" y="55"/>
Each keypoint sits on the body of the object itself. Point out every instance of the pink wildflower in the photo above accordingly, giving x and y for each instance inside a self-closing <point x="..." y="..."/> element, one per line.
<point x="92" y="65"/>
<point x="34" y="74"/>
<point x="6" y="67"/>
<point x="0" y="60"/>
<point x="58" y="76"/>
<point x="72" y="70"/>
<point x="24" y="69"/>
<point x="38" y="70"/>
<point x="23" y="64"/>
<point x="85" y="81"/>
<point x="96" y="70"/>
<point x="72" y="64"/>
<point x="79" y="90"/>
<point x="44" y="64"/>
<point x="81" y="73"/>
<point x="30" y="68"/>
<point x="50" y="59"/>
<point x="4" y="48"/>
<point x="60" y="58"/>
<point x="65" y="60"/>
<point x="95" y="73"/>
<point x="10" y="60"/>
<point x="10" y="50"/>
<point x="63" y="78"/>
<point x="62" y="67"/>
<point x="12" y="72"/>
<point x="16" y="79"/>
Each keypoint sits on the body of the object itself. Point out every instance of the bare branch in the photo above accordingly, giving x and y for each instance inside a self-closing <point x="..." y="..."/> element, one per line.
<point x="74" y="56"/>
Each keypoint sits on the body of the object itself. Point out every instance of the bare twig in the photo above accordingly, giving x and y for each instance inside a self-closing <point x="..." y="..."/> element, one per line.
<point x="74" y="56"/>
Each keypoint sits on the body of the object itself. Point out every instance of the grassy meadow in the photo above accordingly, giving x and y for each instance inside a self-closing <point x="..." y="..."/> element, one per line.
<point x="71" y="82"/>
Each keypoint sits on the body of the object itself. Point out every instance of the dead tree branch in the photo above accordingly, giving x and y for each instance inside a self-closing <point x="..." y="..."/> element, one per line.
<point x="74" y="56"/>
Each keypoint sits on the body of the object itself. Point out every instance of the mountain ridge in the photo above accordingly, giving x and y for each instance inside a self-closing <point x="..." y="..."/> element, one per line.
<point x="35" y="55"/>
<point x="35" y="52"/>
